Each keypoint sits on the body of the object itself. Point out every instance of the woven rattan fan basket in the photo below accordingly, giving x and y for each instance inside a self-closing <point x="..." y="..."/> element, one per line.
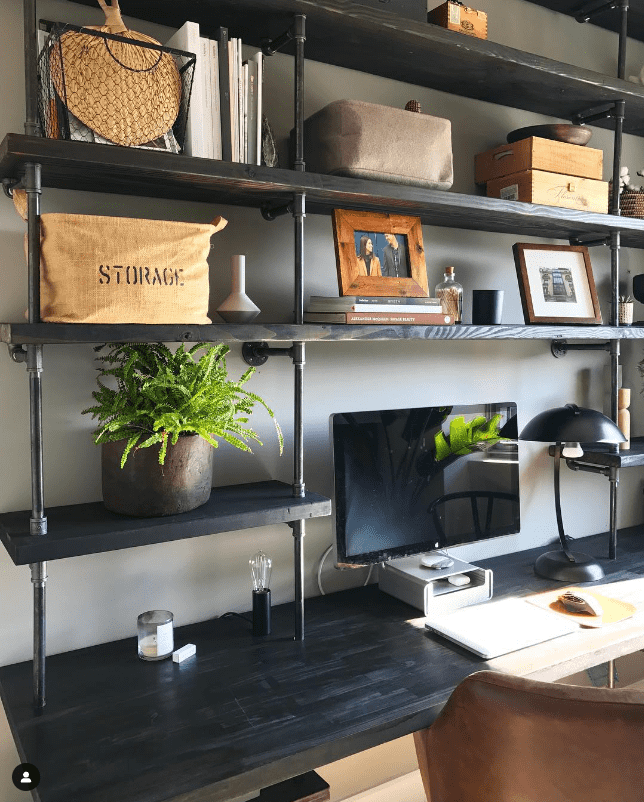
<point x="126" y="92"/>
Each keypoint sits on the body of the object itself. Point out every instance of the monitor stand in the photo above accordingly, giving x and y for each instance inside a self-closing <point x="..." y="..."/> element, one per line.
<point x="428" y="589"/>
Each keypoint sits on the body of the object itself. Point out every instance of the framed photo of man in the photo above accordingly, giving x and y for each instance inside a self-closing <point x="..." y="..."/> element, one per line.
<point x="379" y="254"/>
<point x="556" y="284"/>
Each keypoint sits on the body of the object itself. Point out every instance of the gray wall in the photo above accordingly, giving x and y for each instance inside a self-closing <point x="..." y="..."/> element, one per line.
<point x="97" y="598"/>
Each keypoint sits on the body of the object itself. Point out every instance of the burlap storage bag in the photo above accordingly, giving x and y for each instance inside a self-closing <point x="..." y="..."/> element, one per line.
<point x="122" y="270"/>
<point x="366" y="140"/>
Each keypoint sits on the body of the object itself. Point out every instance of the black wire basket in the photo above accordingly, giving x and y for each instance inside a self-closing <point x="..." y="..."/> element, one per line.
<point x="114" y="89"/>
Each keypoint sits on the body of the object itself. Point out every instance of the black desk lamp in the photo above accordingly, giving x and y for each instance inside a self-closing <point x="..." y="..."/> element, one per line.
<point x="567" y="427"/>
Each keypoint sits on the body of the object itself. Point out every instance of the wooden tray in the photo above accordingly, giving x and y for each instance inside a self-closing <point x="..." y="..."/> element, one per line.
<point x="614" y="610"/>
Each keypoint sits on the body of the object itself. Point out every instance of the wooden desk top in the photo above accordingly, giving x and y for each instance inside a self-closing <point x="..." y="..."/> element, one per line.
<point x="248" y="712"/>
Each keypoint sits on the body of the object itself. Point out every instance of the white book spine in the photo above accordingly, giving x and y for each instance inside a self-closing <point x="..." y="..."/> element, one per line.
<point x="232" y="64"/>
<point x="245" y="158"/>
<point x="204" y="43"/>
<point x="252" y="112"/>
<point x="240" y="104"/>
<point x="259" y="59"/>
<point x="187" y="38"/>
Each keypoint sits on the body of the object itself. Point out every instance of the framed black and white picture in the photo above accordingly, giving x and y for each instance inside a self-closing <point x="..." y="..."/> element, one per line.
<point x="556" y="284"/>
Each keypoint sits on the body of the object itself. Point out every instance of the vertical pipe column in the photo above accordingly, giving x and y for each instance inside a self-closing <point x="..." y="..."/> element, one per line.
<point x="623" y="33"/>
<point x="38" y="521"/>
<point x="615" y="244"/>
<point x="31" y="61"/>
<point x="299" y="213"/>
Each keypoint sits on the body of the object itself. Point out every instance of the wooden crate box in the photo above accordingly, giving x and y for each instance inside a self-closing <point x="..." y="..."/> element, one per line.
<point x="536" y="153"/>
<point x="458" y="17"/>
<point x="552" y="189"/>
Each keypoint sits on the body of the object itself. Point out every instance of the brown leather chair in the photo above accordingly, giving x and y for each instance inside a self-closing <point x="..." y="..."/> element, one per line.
<point x="501" y="738"/>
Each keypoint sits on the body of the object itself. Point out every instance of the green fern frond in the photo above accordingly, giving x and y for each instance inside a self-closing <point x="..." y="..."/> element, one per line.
<point x="147" y="395"/>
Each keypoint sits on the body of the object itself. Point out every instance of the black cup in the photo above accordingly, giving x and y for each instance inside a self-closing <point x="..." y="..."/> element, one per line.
<point x="487" y="306"/>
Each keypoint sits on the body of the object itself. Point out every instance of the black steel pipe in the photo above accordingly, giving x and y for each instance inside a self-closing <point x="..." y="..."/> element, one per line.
<point x="299" y="531"/>
<point x="38" y="521"/>
<point x="623" y="33"/>
<point x="618" y="114"/>
<point x="33" y="188"/>
<point x="31" y="67"/>
<point x="300" y="38"/>
<point x="299" y="486"/>
<point x="612" y="537"/>
<point x="38" y="579"/>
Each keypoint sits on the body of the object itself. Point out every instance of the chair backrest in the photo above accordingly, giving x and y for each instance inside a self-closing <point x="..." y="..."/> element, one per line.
<point x="476" y="498"/>
<point x="506" y="739"/>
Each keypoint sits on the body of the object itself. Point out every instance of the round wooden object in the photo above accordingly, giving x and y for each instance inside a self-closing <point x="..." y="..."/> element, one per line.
<point x="126" y="93"/>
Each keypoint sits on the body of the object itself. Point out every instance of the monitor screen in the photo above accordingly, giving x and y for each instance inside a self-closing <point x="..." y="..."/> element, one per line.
<point x="413" y="480"/>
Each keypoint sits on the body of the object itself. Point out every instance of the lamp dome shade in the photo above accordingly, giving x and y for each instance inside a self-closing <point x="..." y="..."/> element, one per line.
<point x="572" y="424"/>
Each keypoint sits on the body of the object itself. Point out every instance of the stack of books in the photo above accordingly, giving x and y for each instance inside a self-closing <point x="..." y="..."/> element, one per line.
<point x="376" y="309"/>
<point x="225" y="114"/>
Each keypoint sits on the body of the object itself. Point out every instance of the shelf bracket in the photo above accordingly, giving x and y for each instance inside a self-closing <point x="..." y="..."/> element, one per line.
<point x="272" y="212"/>
<point x="614" y="108"/>
<point x="560" y="348"/>
<point x="18" y="353"/>
<point x="256" y="354"/>
<point x="590" y="242"/>
<point x="8" y="185"/>
<point x="296" y="31"/>
<point x="595" y="7"/>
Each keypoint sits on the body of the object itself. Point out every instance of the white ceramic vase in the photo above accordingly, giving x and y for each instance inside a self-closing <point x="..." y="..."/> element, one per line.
<point x="238" y="307"/>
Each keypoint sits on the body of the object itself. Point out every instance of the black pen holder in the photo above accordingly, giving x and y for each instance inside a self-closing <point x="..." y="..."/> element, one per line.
<point x="261" y="612"/>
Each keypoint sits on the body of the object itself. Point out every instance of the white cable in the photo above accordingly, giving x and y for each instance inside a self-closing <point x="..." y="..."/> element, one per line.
<point x="320" y="564"/>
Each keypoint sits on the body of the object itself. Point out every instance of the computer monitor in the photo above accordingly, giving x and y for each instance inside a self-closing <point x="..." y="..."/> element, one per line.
<point x="397" y="493"/>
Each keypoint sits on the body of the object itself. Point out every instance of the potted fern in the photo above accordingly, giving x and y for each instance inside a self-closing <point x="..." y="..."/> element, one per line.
<point x="159" y="425"/>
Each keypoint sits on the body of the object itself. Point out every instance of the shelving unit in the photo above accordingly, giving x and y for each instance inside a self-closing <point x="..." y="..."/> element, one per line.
<point x="340" y="33"/>
<point x="78" y="529"/>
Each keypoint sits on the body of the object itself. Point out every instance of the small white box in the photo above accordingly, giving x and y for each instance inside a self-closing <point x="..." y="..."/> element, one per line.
<point x="428" y="588"/>
<point x="184" y="652"/>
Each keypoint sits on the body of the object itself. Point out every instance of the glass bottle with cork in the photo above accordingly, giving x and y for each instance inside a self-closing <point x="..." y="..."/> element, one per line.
<point x="450" y="293"/>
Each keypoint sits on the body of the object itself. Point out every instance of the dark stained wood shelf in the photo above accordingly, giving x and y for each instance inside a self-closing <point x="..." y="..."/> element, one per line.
<point x="628" y="458"/>
<point x="78" y="529"/>
<point x="247" y="712"/>
<point x="107" y="168"/>
<point x="25" y="333"/>
<point x="382" y="43"/>
<point x="608" y="19"/>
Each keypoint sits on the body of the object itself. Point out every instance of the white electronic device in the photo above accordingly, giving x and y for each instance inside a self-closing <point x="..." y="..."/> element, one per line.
<point x="436" y="561"/>
<point x="430" y="590"/>
<point x="460" y="580"/>
<point x="499" y="627"/>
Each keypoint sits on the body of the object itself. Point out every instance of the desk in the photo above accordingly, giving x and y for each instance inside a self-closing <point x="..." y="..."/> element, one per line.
<point x="247" y="713"/>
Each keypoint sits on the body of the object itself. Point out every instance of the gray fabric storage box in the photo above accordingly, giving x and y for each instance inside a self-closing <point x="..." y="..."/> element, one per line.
<point x="365" y="140"/>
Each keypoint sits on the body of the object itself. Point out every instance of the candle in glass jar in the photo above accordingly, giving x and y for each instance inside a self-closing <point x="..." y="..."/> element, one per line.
<point x="155" y="634"/>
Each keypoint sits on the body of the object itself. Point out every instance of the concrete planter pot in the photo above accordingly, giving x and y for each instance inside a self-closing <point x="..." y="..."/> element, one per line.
<point x="145" y="489"/>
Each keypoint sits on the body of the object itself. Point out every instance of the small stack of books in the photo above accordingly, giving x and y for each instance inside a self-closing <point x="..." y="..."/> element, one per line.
<point x="376" y="309"/>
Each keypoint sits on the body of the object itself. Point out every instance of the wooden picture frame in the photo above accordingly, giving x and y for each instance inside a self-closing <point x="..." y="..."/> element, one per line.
<point x="365" y="275"/>
<point x="556" y="284"/>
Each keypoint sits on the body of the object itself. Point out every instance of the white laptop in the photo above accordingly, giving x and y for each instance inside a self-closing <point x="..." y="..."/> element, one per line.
<point x="498" y="627"/>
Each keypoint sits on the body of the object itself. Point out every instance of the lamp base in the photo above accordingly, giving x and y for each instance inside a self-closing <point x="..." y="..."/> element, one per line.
<point x="556" y="565"/>
<point x="262" y="612"/>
